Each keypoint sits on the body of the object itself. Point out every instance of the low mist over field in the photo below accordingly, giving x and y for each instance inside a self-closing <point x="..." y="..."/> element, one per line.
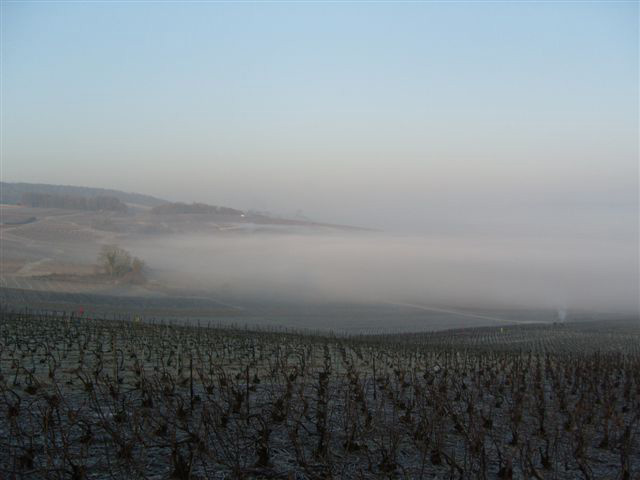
<point x="478" y="270"/>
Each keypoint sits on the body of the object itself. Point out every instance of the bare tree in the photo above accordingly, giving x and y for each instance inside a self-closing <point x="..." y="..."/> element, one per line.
<point x="137" y="265"/>
<point x="117" y="262"/>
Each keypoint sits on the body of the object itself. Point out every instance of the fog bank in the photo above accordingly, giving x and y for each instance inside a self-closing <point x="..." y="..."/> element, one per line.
<point x="594" y="274"/>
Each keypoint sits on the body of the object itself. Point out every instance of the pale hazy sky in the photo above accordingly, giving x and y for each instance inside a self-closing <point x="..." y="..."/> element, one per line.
<point x="391" y="115"/>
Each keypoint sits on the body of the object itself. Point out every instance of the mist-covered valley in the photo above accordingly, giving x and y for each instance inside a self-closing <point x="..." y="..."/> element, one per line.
<point x="453" y="270"/>
<point x="249" y="268"/>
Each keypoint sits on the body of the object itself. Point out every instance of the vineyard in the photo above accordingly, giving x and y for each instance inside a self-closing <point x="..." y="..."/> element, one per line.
<point x="96" y="398"/>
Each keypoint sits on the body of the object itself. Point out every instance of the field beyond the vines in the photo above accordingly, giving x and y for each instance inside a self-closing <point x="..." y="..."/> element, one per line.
<point x="98" y="398"/>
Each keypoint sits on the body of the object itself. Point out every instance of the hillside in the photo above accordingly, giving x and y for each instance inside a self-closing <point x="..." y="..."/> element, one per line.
<point x="16" y="193"/>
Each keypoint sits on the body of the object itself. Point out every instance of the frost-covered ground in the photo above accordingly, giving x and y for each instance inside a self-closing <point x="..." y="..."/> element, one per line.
<point x="84" y="398"/>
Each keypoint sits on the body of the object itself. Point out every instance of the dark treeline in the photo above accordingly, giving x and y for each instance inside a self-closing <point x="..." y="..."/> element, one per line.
<point x="46" y="200"/>
<point x="180" y="207"/>
<point x="11" y="193"/>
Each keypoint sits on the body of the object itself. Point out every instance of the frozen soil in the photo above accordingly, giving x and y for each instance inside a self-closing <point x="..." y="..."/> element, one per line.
<point x="92" y="398"/>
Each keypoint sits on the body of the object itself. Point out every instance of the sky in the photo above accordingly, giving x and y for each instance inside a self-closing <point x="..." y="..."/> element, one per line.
<point x="432" y="116"/>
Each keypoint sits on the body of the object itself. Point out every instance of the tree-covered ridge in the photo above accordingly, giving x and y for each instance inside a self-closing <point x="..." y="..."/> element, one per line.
<point x="44" y="200"/>
<point x="11" y="193"/>
<point x="180" y="207"/>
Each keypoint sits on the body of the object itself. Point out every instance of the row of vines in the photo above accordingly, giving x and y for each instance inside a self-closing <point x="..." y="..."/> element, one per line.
<point x="89" y="398"/>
